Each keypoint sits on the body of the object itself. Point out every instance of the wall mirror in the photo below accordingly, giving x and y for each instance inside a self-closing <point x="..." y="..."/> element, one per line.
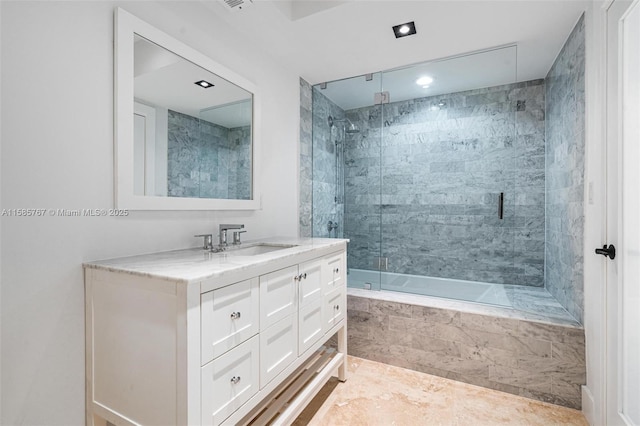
<point x="185" y="126"/>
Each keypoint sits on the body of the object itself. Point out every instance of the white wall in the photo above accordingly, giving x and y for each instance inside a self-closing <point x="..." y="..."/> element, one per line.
<point x="0" y="220"/>
<point x="57" y="152"/>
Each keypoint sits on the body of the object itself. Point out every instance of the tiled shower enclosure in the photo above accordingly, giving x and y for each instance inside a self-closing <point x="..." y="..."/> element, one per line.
<point x="422" y="177"/>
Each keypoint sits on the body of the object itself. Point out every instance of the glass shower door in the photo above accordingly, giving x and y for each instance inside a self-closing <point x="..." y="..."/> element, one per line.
<point x="347" y="133"/>
<point x="448" y="178"/>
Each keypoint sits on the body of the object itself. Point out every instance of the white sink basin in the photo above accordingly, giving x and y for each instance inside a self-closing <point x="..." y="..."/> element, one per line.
<point x="256" y="249"/>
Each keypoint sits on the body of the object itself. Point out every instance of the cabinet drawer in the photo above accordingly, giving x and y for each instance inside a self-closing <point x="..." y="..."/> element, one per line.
<point x="278" y="348"/>
<point x="334" y="308"/>
<point x="310" y="327"/>
<point x="229" y="316"/>
<point x="229" y="381"/>
<point x="277" y="296"/>
<point x="310" y="283"/>
<point x="335" y="273"/>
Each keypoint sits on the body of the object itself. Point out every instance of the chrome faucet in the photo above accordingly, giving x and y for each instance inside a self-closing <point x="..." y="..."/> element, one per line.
<point x="208" y="241"/>
<point x="223" y="234"/>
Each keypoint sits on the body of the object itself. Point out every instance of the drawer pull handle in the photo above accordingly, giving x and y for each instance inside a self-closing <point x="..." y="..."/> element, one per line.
<point x="235" y="315"/>
<point x="304" y="275"/>
<point x="337" y="270"/>
<point x="337" y="307"/>
<point x="235" y="379"/>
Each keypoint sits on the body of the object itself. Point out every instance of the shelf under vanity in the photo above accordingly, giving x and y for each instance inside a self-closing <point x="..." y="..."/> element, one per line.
<point x="202" y="338"/>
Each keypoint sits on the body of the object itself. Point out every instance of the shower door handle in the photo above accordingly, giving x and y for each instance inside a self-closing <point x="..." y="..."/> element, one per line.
<point x="501" y="206"/>
<point x="609" y="252"/>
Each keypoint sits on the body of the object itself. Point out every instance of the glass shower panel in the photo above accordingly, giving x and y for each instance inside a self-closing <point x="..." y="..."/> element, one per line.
<point x="347" y="132"/>
<point x="448" y="178"/>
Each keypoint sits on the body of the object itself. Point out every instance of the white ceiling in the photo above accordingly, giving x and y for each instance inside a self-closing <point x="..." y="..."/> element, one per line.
<point x="330" y="40"/>
<point x="484" y="69"/>
<point x="165" y="79"/>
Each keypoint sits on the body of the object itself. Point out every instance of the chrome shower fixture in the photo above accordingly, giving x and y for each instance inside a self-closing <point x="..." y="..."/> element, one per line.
<point x="349" y="127"/>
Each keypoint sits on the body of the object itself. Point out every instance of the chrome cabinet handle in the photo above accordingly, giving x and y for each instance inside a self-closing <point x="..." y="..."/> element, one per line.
<point x="337" y="307"/>
<point x="336" y="270"/>
<point x="235" y="315"/>
<point x="235" y="379"/>
<point x="304" y="275"/>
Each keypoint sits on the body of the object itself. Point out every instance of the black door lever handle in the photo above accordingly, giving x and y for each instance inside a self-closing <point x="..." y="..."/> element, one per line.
<point x="609" y="252"/>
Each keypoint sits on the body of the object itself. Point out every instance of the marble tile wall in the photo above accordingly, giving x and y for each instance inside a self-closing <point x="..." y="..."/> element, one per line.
<point x="306" y="159"/>
<point x="565" y="133"/>
<point x="434" y="168"/>
<point x="206" y="160"/>
<point x="531" y="359"/>
<point x="325" y="208"/>
<point x="239" y="165"/>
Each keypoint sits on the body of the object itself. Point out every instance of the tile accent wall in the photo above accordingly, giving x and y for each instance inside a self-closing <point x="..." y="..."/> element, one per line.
<point x="238" y="168"/>
<point x="565" y="132"/>
<point x="325" y="207"/>
<point x="445" y="160"/>
<point x="535" y="360"/>
<point x="206" y="160"/>
<point x="306" y="159"/>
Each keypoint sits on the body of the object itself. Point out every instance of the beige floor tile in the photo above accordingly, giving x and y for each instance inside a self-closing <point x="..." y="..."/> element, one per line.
<point x="481" y="406"/>
<point x="380" y="394"/>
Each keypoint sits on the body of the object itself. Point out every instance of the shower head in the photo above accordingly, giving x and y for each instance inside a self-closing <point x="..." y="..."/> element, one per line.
<point x="349" y="127"/>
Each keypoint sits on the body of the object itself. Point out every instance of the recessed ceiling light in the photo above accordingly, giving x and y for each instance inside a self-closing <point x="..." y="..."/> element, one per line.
<point x="424" y="81"/>
<point x="404" y="30"/>
<point x="204" y="84"/>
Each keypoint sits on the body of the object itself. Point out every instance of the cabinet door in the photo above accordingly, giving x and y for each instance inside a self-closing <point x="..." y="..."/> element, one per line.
<point x="334" y="308"/>
<point x="229" y="381"/>
<point x="278" y="348"/>
<point x="277" y="296"/>
<point x="310" y="328"/>
<point x="310" y="282"/>
<point x="335" y="273"/>
<point x="229" y="316"/>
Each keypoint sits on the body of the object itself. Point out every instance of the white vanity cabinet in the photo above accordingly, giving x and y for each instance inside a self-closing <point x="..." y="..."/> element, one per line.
<point x="191" y="337"/>
<point x="288" y="329"/>
<point x="230" y="315"/>
<point x="335" y="291"/>
<point x="278" y="327"/>
<point x="310" y="293"/>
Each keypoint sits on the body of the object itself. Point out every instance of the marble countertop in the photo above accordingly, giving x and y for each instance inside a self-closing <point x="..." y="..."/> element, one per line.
<point x="196" y="264"/>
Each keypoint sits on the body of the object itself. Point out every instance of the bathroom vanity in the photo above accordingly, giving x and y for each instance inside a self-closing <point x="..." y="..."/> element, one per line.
<point x="201" y="338"/>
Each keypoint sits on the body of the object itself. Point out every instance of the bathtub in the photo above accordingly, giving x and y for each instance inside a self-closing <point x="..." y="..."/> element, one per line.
<point x="471" y="291"/>
<point x="536" y="301"/>
<point x="504" y="337"/>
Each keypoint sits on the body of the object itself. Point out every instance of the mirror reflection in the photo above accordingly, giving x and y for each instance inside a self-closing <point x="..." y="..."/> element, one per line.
<point x="192" y="129"/>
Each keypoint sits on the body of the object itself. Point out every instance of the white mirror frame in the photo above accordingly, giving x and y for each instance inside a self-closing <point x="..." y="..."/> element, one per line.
<point x="125" y="26"/>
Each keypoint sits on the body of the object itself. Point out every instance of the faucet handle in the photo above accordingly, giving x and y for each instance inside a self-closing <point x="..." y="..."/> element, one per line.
<point x="236" y="237"/>
<point x="208" y="241"/>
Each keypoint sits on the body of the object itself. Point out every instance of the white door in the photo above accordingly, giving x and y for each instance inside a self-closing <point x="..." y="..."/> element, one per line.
<point x="144" y="142"/>
<point x="623" y="212"/>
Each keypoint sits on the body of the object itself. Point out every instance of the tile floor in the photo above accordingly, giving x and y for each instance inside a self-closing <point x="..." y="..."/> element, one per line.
<point x="381" y="394"/>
